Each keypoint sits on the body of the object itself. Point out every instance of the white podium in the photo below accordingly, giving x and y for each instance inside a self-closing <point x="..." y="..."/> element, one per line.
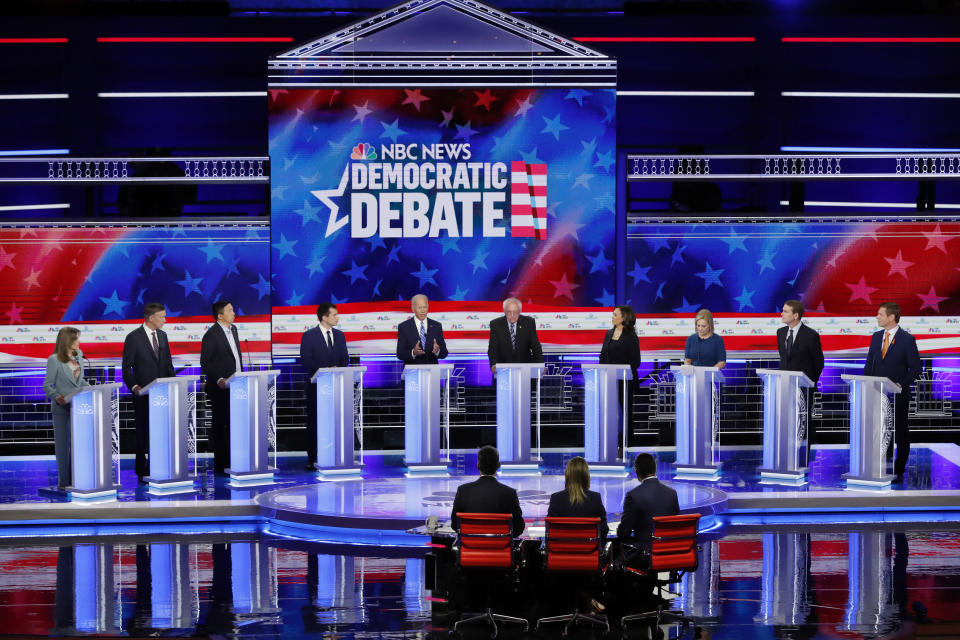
<point x="784" y="426"/>
<point x="253" y="425"/>
<point x="422" y="416"/>
<point x="603" y="415"/>
<point x="513" y="415"/>
<point x="173" y="432"/>
<point x="173" y="602"/>
<point x="698" y="420"/>
<point x="94" y="441"/>
<point x="871" y="429"/>
<point x="335" y="420"/>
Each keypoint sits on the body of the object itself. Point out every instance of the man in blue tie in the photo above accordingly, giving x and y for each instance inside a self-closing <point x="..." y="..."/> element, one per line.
<point x="323" y="346"/>
<point x="420" y="339"/>
<point x="513" y="337"/>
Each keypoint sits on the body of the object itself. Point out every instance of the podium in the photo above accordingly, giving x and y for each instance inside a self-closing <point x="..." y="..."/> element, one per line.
<point x="335" y="420"/>
<point x="173" y="429"/>
<point x="784" y="426"/>
<point x="253" y="419"/>
<point x="698" y="420"/>
<point x="871" y="429"/>
<point x="422" y="419"/>
<point x="94" y="440"/>
<point x="513" y="415"/>
<point x="603" y="415"/>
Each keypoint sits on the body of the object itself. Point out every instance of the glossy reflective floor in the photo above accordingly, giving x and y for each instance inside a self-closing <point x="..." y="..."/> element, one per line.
<point x="752" y="583"/>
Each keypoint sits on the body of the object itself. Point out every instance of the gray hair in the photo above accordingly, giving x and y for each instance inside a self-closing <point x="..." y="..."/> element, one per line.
<point x="413" y="300"/>
<point x="509" y="300"/>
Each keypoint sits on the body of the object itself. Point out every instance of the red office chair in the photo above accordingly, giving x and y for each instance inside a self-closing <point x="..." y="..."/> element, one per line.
<point x="572" y="546"/>
<point x="485" y="544"/>
<point x="673" y="548"/>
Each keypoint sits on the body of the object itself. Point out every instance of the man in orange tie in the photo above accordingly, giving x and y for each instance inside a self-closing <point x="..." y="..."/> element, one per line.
<point x="893" y="354"/>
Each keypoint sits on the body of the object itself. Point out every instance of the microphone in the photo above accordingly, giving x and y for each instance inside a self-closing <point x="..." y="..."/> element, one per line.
<point x="247" y="345"/>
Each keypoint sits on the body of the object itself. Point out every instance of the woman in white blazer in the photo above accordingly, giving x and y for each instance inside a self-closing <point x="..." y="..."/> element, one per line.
<point x="64" y="375"/>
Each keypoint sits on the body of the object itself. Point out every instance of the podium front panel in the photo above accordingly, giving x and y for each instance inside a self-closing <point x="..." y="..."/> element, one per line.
<point x="422" y="415"/>
<point x="170" y="421"/>
<point x="94" y="412"/>
<point x="335" y="416"/>
<point x="602" y="411"/>
<point x="252" y="407"/>
<point x="513" y="411"/>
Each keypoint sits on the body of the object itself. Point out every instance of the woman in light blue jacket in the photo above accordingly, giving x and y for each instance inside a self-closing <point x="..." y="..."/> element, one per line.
<point x="64" y="375"/>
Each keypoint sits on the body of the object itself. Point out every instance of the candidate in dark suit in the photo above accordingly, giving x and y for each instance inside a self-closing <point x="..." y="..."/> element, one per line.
<point x="513" y="337"/>
<point x="420" y="339"/>
<point x="486" y="494"/>
<point x="146" y="357"/>
<point x="220" y="358"/>
<point x="800" y="350"/>
<point x="646" y="501"/>
<point x="893" y="354"/>
<point x="576" y="500"/>
<point x="321" y="347"/>
<point x="621" y="346"/>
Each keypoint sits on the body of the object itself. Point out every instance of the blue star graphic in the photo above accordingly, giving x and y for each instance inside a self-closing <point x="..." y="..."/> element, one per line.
<point x="316" y="265"/>
<point x="335" y="300"/>
<point x="307" y="213"/>
<point x="262" y="287"/>
<point x="114" y="304"/>
<point x="140" y="297"/>
<point x="588" y="147"/>
<point x="424" y="275"/>
<point x="578" y="95"/>
<point x="375" y="243"/>
<point x="686" y="307"/>
<point x="765" y="262"/>
<point x="158" y="263"/>
<point x="553" y="126"/>
<point x="658" y="242"/>
<point x="447" y="244"/>
<point x="795" y="276"/>
<point x="479" y="260"/>
<point x="605" y="161"/>
<point x="711" y="277"/>
<point x="277" y="192"/>
<point x="606" y="299"/>
<point x="392" y="131"/>
<point x="464" y="132"/>
<point x="639" y="273"/>
<point x="392" y="256"/>
<point x="356" y="272"/>
<point x="294" y="299"/>
<point x="659" y="291"/>
<point x="459" y="295"/>
<point x="745" y="298"/>
<point x="212" y="251"/>
<point x="610" y="112"/>
<point x="190" y="285"/>
<point x="599" y="262"/>
<point x="677" y="255"/>
<point x="232" y="266"/>
<point x="285" y="247"/>
<point x="376" y="288"/>
<point x="530" y="157"/>
<point x="734" y="241"/>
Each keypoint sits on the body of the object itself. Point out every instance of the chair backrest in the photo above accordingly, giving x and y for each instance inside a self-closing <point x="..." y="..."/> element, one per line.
<point x="572" y="544"/>
<point x="486" y="540"/>
<point x="674" y="544"/>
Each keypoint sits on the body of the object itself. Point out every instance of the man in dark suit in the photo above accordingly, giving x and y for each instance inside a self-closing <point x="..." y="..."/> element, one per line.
<point x="146" y="357"/>
<point x="486" y="494"/>
<point x="800" y="350"/>
<point x="513" y="337"/>
<point x="893" y="354"/>
<point x="220" y="358"/>
<point x="644" y="502"/>
<point x="321" y="346"/>
<point x="419" y="339"/>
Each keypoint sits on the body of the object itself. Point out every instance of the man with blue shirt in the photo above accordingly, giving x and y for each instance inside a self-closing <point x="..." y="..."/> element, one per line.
<point x="893" y="354"/>
<point x="322" y="346"/>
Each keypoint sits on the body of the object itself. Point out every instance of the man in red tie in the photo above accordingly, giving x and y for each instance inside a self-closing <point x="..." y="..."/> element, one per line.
<point x="893" y="354"/>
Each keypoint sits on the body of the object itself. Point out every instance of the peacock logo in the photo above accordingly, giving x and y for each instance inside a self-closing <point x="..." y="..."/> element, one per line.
<point x="363" y="151"/>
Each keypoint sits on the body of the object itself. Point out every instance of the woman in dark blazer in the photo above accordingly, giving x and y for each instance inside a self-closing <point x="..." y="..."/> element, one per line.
<point x="64" y="375"/>
<point x="621" y="346"/>
<point x="576" y="500"/>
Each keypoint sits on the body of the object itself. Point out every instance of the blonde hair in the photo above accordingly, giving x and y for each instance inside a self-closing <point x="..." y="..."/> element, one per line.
<point x="577" y="479"/>
<point x="705" y="315"/>
<point x="65" y="339"/>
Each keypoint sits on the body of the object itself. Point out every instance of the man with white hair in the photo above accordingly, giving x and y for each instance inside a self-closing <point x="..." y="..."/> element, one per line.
<point x="420" y="339"/>
<point x="513" y="337"/>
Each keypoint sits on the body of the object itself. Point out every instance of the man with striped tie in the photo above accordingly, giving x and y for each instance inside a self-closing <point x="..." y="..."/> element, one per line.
<point x="420" y="339"/>
<point x="513" y="337"/>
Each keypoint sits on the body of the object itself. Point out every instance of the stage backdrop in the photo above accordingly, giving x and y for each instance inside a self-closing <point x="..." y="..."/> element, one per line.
<point x="465" y="195"/>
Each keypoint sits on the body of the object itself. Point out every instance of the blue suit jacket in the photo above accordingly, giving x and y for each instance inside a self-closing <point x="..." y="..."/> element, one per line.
<point x="314" y="352"/>
<point x="408" y="336"/>
<point x="902" y="364"/>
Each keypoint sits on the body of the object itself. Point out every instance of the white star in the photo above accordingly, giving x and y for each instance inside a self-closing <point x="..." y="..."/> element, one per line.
<point x="324" y="195"/>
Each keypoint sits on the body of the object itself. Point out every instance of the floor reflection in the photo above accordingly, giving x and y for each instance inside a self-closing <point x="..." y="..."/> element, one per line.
<point x="761" y="583"/>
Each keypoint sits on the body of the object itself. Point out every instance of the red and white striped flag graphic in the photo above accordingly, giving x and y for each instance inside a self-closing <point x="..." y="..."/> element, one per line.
<point x="528" y="200"/>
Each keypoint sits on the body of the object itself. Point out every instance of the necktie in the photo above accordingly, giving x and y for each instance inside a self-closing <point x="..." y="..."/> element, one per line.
<point x="156" y="346"/>
<point x="789" y="340"/>
<point x="330" y="340"/>
<point x="423" y="335"/>
<point x="513" y="335"/>
<point x="886" y="343"/>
